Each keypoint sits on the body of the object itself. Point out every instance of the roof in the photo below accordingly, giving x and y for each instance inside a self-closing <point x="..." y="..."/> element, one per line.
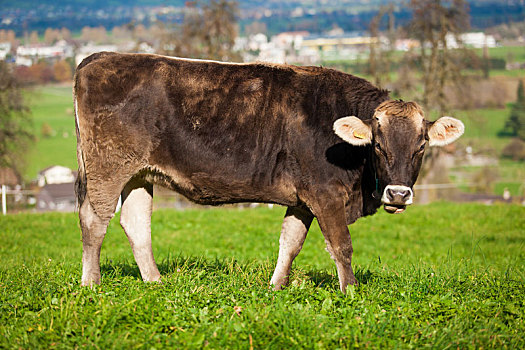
<point x="52" y="166"/>
<point x="59" y="191"/>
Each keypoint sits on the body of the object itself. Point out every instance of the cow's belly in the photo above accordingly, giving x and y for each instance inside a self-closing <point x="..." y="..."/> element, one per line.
<point x="217" y="189"/>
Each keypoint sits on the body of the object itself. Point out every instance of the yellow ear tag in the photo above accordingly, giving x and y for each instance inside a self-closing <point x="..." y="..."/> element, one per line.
<point x="358" y="135"/>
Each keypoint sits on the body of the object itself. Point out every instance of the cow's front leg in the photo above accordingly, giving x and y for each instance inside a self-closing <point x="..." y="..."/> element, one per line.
<point x="293" y="233"/>
<point x="332" y="221"/>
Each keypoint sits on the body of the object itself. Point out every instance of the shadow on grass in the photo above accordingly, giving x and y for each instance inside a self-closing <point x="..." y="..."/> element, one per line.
<point x="322" y="278"/>
<point x="179" y="263"/>
<point x="225" y="266"/>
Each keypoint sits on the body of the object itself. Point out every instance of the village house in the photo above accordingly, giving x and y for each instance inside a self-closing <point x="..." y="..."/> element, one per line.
<point x="57" y="197"/>
<point x="55" y="174"/>
<point x="27" y="55"/>
<point x="57" y="189"/>
<point x="5" y="49"/>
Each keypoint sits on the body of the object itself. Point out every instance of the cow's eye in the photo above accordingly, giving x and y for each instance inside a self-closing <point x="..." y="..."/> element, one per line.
<point x="420" y="150"/>
<point x="379" y="149"/>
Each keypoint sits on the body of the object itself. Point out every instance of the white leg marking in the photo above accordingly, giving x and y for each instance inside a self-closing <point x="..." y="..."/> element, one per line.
<point x="136" y="220"/>
<point x="93" y="232"/>
<point x="293" y="233"/>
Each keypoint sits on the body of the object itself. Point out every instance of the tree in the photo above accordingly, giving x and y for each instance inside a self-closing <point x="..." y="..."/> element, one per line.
<point x="220" y="29"/>
<point x="122" y="32"/>
<point x="41" y="72"/>
<point x="516" y="121"/>
<point x="15" y="121"/>
<point x="51" y="36"/>
<point x="208" y="31"/>
<point x="380" y="61"/>
<point x="11" y="37"/>
<point x="140" y="32"/>
<point x="435" y="23"/>
<point x="255" y="28"/>
<point x="62" y="71"/>
<point x="33" y="37"/>
<point x="96" y="34"/>
<point x="65" y="34"/>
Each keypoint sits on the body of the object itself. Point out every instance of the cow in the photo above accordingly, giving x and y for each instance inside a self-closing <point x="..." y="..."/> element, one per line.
<point x="321" y="142"/>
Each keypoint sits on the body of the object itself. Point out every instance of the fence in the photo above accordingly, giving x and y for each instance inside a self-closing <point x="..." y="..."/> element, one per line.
<point x="166" y="198"/>
<point x="18" y="193"/>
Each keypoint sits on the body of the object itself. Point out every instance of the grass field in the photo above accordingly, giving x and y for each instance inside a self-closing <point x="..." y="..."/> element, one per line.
<point x="439" y="276"/>
<point x="52" y="105"/>
<point x="483" y="130"/>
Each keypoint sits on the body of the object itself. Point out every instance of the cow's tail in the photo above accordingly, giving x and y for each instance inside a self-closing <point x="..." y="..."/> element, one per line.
<point x="81" y="181"/>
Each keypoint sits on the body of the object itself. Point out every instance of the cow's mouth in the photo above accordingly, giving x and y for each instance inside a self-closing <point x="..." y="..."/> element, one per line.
<point x="394" y="208"/>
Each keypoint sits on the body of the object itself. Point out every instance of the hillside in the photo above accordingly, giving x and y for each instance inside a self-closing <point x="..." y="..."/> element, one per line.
<point x="278" y="16"/>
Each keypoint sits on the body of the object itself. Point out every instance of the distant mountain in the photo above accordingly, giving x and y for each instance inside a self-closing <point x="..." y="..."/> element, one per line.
<point x="276" y="15"/>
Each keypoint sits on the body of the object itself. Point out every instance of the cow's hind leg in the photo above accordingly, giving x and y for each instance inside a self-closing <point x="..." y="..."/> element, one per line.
<point x="135" y="218"/>
<point x="293" y="233"/>
<point x="93" y="231"/>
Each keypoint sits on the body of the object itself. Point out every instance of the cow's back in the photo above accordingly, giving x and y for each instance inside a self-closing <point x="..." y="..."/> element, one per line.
<point x="216" y="132"/>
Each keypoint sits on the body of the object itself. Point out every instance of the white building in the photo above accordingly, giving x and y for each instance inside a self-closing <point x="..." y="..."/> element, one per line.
<point x="282" y="48"/>
<point x="474" y="40"/>
<point x="55" y="174"/>
<point x="291" y="40"/>
<point x="23" y="61"/>
<point x="5" y="48"/>
<point x="33" y="53"/>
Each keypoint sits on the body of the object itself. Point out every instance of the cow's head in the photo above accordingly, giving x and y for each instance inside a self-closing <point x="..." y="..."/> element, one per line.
<point x="398" y="134"/>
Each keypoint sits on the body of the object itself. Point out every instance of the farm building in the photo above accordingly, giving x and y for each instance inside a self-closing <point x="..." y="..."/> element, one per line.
<point x="57" y="189"/>
<point x="55" y="174"/>
<point x="57" y="197"/>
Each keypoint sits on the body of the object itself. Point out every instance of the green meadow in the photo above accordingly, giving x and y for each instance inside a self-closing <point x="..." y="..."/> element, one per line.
<point x="438" y="276"/>
<point x="51" y="105"/>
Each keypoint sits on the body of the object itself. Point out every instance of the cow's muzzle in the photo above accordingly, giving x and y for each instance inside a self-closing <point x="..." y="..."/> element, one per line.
<point x="396" y="198"/>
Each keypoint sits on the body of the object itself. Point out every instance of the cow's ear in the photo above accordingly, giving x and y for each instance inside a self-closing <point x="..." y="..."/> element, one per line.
<point x="443" y="131"/>
<point x="353" y="130"/>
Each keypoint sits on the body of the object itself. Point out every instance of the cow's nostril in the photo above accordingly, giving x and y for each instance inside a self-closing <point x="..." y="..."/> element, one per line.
<point x="390" y="194"/>
<point x="397" y="195"/>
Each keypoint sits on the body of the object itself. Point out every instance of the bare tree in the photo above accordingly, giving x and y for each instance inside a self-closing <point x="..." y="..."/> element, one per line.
<point x="380" y="61"/>
<point x="15" y="121"/>
<point x="208" y="31"/>
<point x="256" y="28"/>
<point x="220" y="29"/>
<point x="434" y="23"/>
<point x="33" y="37"/>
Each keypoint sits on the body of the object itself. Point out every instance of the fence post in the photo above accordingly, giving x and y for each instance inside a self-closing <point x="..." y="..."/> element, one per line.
<point x="4" y="201"/>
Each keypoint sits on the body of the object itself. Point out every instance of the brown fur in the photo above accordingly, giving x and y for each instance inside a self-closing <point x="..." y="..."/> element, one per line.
<point x="400" y="109"/>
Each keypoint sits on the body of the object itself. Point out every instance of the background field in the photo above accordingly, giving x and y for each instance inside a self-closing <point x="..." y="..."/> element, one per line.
<point x="442" y="276"/>
<point x="52" y="105"/>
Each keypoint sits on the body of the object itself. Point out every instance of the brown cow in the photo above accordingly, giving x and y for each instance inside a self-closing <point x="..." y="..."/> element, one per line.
<point x="321" y="142"/>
